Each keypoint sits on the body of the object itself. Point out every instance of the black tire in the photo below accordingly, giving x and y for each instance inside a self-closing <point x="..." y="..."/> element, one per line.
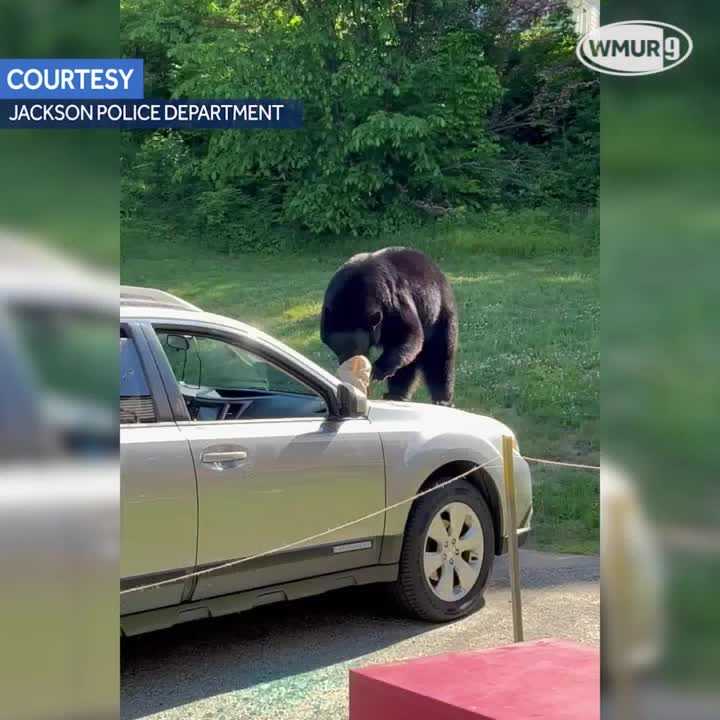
<point x="412" y="590"/>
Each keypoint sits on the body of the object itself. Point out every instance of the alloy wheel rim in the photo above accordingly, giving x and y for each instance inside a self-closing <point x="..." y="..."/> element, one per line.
<point x="453" y="552"/>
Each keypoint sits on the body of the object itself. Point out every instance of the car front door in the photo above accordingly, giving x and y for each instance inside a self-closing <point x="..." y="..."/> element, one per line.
<point x="158" y="487"/>
<point x="273" y="466"/>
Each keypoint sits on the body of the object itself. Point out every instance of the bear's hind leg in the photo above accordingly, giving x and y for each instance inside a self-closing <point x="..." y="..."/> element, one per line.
<point x="402" y="384"/>
<point x="438" y="362"/>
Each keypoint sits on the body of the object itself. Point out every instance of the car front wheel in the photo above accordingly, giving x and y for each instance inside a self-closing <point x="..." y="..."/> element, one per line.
<point x="447" y="554"/>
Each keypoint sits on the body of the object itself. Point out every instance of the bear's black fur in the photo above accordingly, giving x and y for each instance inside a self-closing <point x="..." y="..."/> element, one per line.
<point x="397" y="299"/>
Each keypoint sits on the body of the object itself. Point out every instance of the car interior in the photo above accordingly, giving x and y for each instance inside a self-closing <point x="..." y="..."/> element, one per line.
<point x="221" y="381"/>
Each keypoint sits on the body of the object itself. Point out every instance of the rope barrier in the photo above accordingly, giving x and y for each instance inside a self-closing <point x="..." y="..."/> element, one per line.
<point x="330" y="531"/>
<point x="561" y="464"/>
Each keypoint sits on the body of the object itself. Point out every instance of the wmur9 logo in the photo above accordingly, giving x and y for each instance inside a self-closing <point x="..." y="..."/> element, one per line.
<point x="634" y="47"/>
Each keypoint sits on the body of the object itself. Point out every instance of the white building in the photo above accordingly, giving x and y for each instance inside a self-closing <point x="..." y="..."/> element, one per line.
<point x="586" y="13"/>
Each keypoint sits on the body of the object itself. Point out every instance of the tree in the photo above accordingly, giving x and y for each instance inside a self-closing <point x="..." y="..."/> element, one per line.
<point x="409" y="107"/>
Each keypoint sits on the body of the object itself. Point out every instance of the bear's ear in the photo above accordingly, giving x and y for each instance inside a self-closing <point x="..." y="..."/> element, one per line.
<point x="375" y="319"/>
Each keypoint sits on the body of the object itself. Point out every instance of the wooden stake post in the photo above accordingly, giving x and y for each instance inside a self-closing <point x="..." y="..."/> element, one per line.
<point x="507" y="451"/>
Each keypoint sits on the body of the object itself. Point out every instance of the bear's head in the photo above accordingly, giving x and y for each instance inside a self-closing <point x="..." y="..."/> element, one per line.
<point x="353" y="308"/>
<point x="350" y="331"/>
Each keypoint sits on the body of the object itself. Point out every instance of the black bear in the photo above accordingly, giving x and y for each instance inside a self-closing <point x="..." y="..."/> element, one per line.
<point x="397" y="299"/>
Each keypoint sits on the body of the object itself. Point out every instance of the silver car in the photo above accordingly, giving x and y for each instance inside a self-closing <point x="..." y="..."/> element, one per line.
<point x="233" y="444"/>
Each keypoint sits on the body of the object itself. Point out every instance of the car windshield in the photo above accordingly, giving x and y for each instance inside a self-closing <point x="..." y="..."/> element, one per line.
<point x="72" y="354"/>
<point x="73" y="360"/>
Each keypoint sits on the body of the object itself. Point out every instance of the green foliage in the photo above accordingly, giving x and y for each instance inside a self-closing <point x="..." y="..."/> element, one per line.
<point x="528" y="232"/>
<point x="414" y="110"/>
<point x="548" y="120"/>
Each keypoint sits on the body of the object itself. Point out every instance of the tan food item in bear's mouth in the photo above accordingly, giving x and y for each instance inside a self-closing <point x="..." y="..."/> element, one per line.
<point x="356" y="371"/>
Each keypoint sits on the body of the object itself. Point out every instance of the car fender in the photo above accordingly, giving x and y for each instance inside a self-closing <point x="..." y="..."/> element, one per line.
<point x="412" y="457"/>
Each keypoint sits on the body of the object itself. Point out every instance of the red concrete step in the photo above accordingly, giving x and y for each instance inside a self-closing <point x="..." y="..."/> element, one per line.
<point x="543" y="680"/>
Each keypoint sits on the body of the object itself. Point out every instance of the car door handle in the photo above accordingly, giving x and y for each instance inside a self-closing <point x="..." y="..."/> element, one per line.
<point x="225" y="456"/>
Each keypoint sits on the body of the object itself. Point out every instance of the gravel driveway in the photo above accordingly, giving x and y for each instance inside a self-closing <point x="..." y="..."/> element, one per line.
<point x="291" y="660"/>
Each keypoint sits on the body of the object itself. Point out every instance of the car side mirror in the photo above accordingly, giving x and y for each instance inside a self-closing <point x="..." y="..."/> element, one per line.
<point x="178" y="342"/>
<point x="352" y="402"/>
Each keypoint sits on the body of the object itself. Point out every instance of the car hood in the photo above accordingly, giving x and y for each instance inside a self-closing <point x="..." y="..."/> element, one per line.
<point x="438" y="418"/>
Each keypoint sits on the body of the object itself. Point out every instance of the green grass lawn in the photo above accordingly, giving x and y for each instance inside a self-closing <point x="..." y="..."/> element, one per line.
<point x="528" y="345"/>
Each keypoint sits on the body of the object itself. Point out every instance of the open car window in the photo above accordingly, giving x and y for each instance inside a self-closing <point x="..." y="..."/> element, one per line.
<point x="222" y="381"/>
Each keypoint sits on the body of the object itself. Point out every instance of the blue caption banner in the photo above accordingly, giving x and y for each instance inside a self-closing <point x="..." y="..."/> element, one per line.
<point x="154" y="114"/>
<point x="71" y="79"/>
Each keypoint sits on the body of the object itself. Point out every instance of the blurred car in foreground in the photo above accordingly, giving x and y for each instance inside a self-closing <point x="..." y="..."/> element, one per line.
<point x="59" y="484"/>
<point x="631" y="585"/>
